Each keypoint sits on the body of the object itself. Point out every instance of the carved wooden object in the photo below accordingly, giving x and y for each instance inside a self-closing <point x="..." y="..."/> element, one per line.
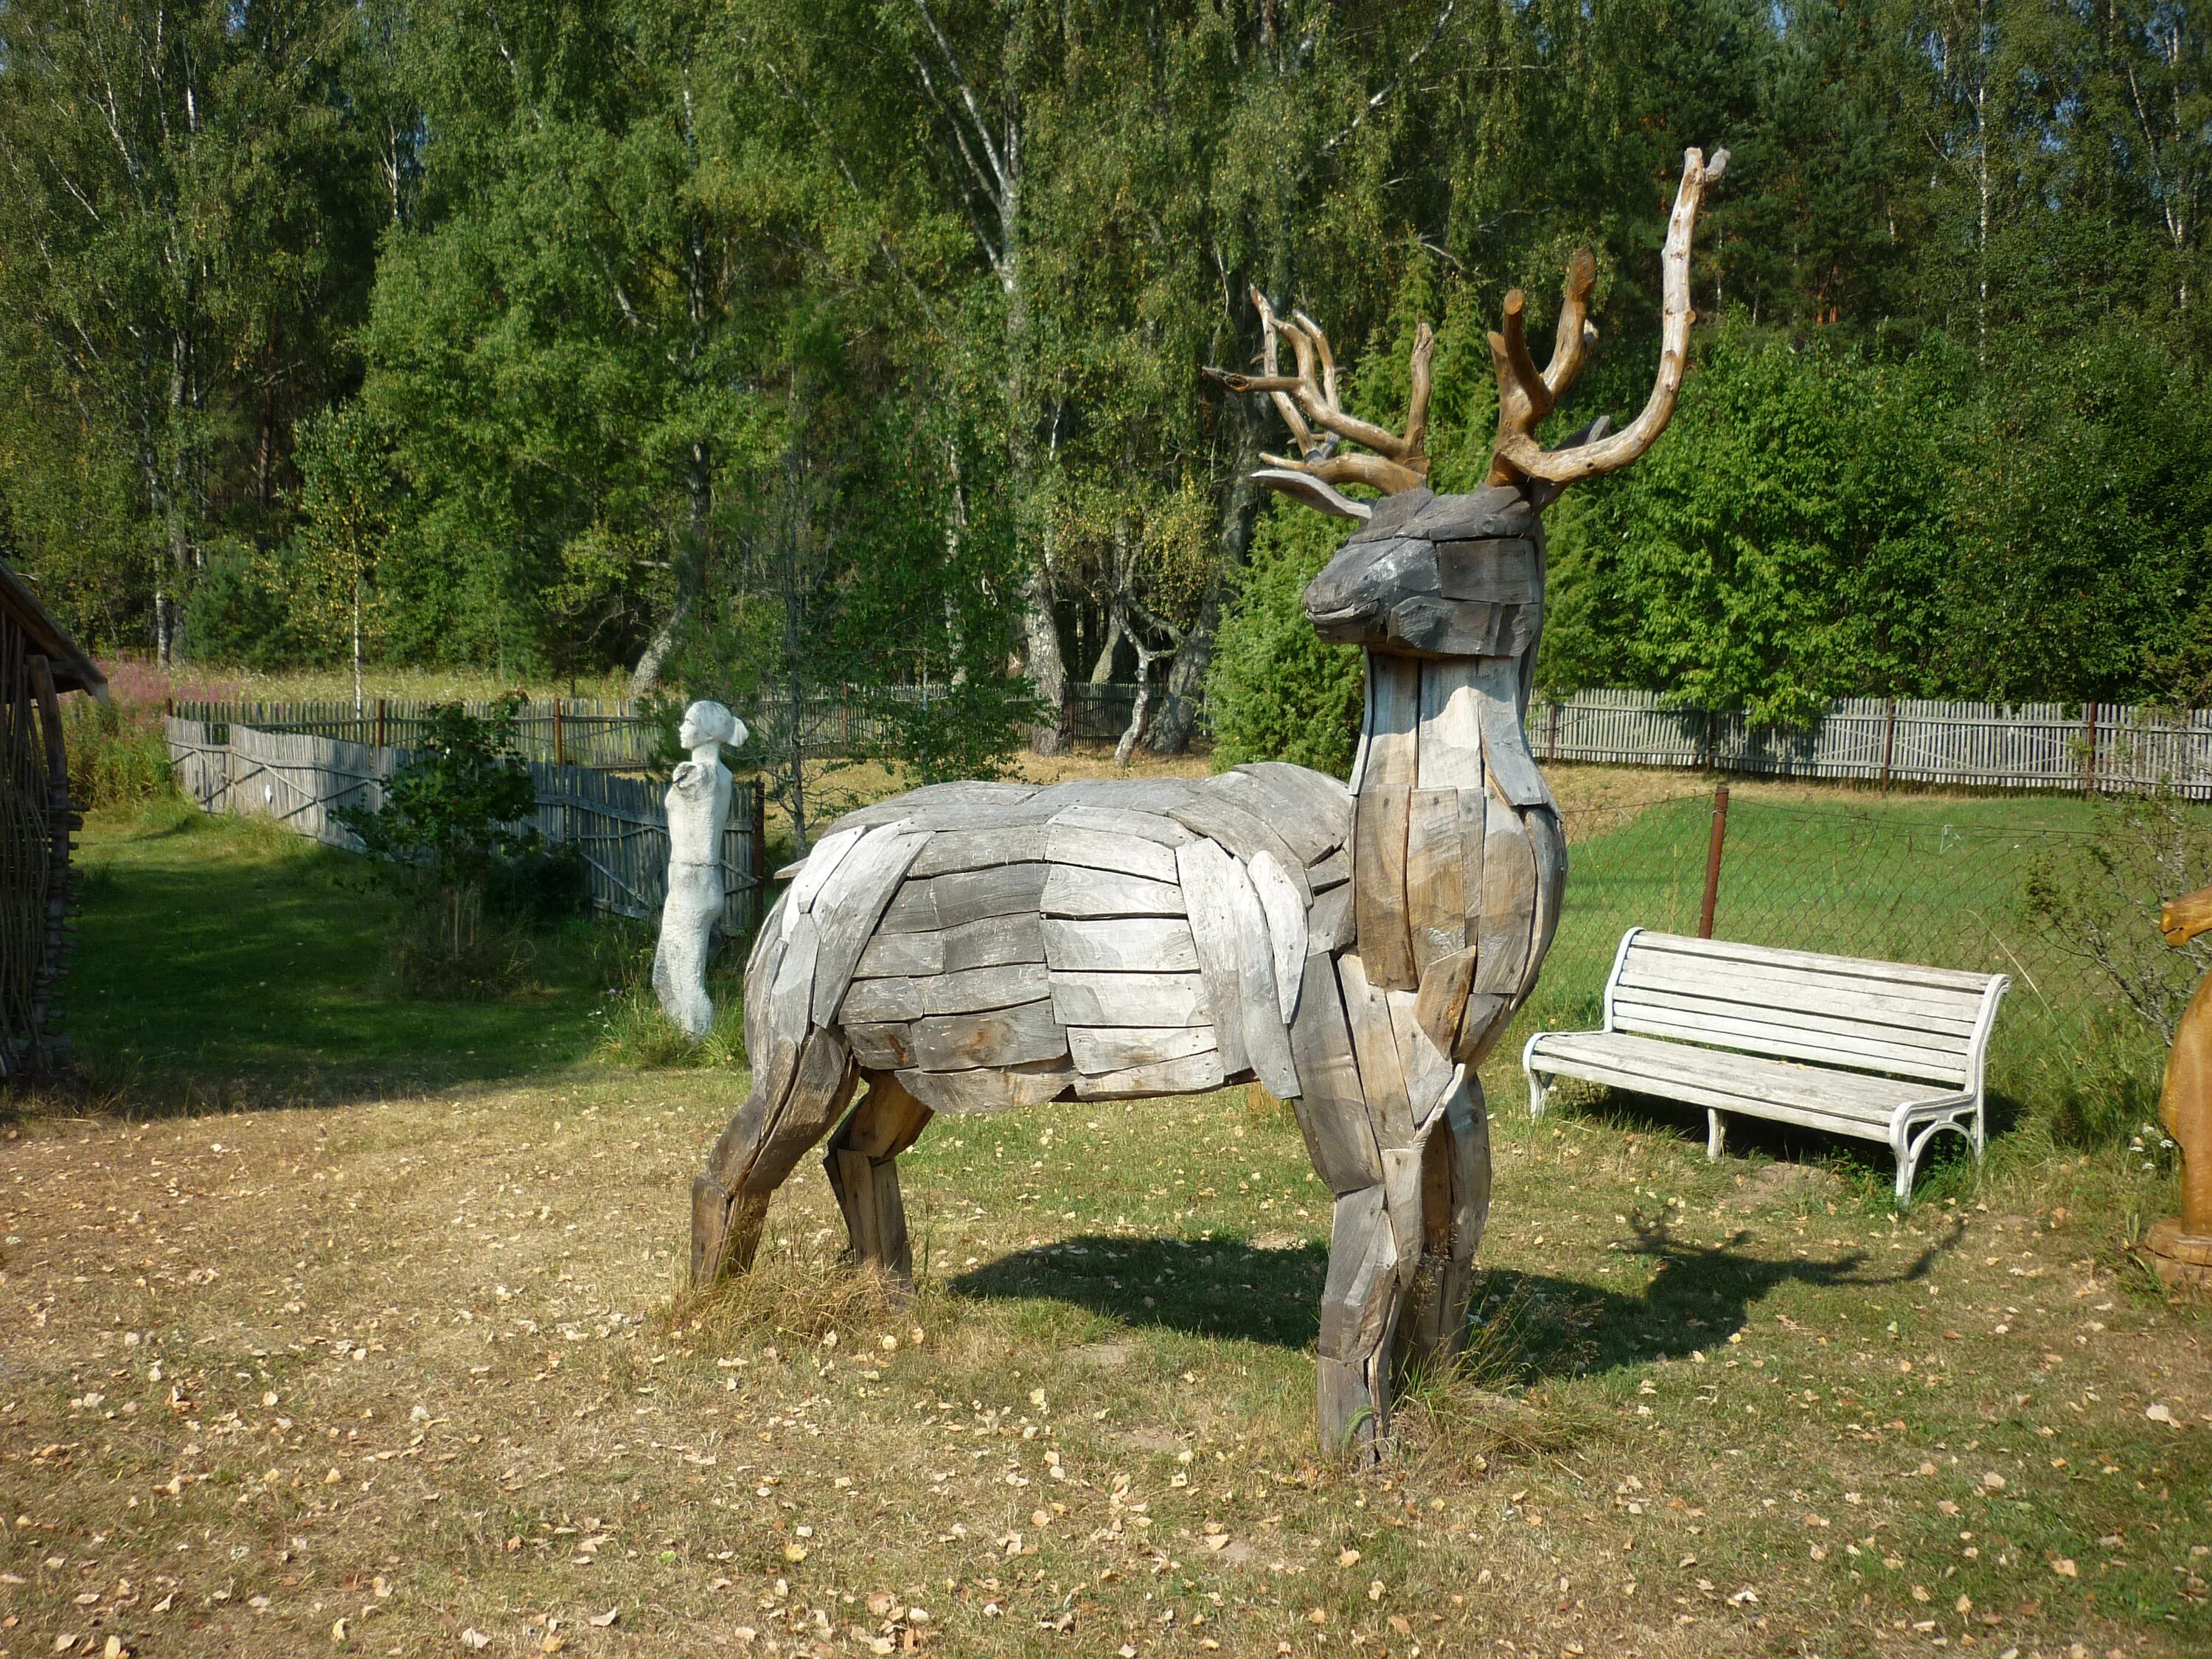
<point x="1356" y="950"/>
<point x="2181" y="1246"/>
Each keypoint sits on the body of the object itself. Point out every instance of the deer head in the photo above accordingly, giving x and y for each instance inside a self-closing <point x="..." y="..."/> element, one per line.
<point x="1398" y="584"/>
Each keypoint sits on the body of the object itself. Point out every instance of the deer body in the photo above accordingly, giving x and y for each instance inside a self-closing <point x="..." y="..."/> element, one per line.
<point x="974" y="947"/>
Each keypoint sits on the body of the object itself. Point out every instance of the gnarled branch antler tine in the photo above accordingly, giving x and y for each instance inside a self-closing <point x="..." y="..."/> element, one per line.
<point x="1522" y="393"/>
<point x="1301" y="434"/>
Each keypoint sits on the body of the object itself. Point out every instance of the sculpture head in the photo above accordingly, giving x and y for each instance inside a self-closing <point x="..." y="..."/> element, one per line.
<point x="709" y="722"/>
<point x="1450" y="575"/>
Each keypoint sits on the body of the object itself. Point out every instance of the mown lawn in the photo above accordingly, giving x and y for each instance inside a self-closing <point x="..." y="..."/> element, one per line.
<point x="408" y="1370"/>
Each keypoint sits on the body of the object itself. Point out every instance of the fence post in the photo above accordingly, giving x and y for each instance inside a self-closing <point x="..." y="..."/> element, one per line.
<point x="760" y="852"/>
<point x="1713" y="846"/>
<point x="560" y="737"/>
<point x="381" y="730"/>
<point x="2089" y="749"/>
<point x="1551" y="733"/>
<point x="1889" y="742"/>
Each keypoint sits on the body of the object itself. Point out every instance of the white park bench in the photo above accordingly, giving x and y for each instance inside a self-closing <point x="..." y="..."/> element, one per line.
<point x="1885" y="1051"/>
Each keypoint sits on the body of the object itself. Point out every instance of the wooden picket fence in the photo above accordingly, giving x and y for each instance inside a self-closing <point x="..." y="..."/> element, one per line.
<point x="564" y="731"/>
<point x="2102" y="748"/>
<point x="618" y="825"/>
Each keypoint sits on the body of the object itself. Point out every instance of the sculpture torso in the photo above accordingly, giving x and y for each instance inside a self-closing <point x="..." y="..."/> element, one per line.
<point x="698" y="804"/>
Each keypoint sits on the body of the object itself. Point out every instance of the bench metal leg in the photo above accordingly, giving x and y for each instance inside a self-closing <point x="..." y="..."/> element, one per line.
<point x="1716" y="1132"/>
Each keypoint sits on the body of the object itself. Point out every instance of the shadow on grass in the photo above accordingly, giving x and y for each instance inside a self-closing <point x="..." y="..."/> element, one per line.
<point x="1698" y="1296"/>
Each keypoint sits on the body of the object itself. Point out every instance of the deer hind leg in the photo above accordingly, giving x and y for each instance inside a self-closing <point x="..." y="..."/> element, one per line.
<point x="862" y="1162"/>
<point x="1454" y="1202"/>
<point x="794" y="1100"/>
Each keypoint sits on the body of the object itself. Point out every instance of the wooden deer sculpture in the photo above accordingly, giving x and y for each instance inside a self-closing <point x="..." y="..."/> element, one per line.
<point x="970" y="947"/>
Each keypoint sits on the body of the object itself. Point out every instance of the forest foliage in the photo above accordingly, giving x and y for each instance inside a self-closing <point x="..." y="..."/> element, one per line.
<point x="762" y="346"/>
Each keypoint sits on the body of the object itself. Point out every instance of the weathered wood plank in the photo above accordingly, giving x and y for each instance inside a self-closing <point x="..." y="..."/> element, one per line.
<point x="850" y="903"/>
<point x="1426" y="1063"/>
<point x="1007" y="1036"/>
<point x="881" y="1048"/>
<point x="953" y="850"/>
<point x="821" y="864"/>
<point x="1187" y="1074"/>
<point x="1363" y="1264"/>
<point x="1481" y="1022"/>
<point x="949" y="901"/>
<point x="1120" y="821"/>
<point x="1286" y="912"/>
<point x="973" y="1093"/>
<point x="1509" y="900"/>
<point x="1436" y="902"/>
<point x="1393" y="723"/>
<point x="1381" y="1079"/>
<point x="1548" y="843"/>
<point x="1503" y="572"/>
<point x="992" y="942"/>
<point x="1092" y="999"/>
<point x="973" y="992"/>
<point x="1244" y="835"/>
<point x="1450" y="754"/>
<point x="1120" y="944"/>
<point x="1441" y="1002"/>
<point x="1107" y="849"/>
<point x="1329" y="922"/>
<point x="1209" y="876"/>
<point x="1332" y="1111"/>
<point x="1378" y="886"/>
<point x="1332" y="871"/>
<point x="1098" y="1049"/>
<point x="1313" y="823"/>
<point x="1074" y="891"/>
<point x="1512" y="772"/>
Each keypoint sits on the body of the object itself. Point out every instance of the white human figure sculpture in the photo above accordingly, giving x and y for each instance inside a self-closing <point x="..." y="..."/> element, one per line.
<point x="698" y="809"/>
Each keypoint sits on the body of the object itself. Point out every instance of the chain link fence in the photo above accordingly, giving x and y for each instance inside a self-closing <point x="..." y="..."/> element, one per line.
<point x="1947" y="881"/>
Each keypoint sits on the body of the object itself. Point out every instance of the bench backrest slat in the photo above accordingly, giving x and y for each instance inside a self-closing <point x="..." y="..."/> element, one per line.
<point x="1899" y="1018"/>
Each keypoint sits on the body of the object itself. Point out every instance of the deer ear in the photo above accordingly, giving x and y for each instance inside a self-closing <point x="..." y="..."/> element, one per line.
<point x="1305" y="488"/>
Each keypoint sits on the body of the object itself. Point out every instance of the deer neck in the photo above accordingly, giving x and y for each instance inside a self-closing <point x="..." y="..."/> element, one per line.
<point x="1426" y="720"/>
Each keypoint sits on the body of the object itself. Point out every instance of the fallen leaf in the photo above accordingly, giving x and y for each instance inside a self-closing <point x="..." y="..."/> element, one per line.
<point x="1348" y="1558"/>
<point x="603" y="1619"/>
<point x="2159" y="1411"/>
<point x="476" y="1639"/>
<point x="2064" y="1567"/>
<point x="338" y="1632"/>
<point x="1747" y="1594"/>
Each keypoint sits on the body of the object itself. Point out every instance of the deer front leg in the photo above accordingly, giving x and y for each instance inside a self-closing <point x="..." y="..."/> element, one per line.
<point x="1368" y="1274"/>
<point x="793" y="1104"/>
<point x="862" y="1162"/>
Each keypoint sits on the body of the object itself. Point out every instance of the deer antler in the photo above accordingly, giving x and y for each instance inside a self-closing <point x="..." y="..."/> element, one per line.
<point x="1525" y="398"/>
<point x="1397" y="464"/>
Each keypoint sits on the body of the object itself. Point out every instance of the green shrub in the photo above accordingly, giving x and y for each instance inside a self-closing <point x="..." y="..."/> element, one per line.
<point x="115" y="758"/>
<point x="1275" y="691"/>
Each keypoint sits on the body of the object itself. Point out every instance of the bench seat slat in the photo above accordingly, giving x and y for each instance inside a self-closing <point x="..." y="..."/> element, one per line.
<point x="1740" y="1027"/>
<point x="1748" y="1080"/>
<point x="1846" y="997"/>
<point x="1878" y="973"/>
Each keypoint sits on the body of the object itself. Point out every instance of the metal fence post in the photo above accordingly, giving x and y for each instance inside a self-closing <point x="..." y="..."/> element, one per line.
<point x="1713" y="845"/>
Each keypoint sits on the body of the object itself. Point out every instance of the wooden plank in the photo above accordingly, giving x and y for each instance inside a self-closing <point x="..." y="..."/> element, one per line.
<point x="990" y="943"/>
<point x="1286" y="912"/>
<point x="1428" y="1065"/>
<point x="1481" y="1022"/>
<point x="1244" y="835"/>
<point x="1662" y="1067"/>
<point x="1548" y="843"/>
<point x="1332" y="871"/>
<point x="881" y="1048"/>
<point x="1329" y="922"/>
<point x="851" y="902"/>
<point x="1502" y="571"/>
<point x="1512" y="772"/>
<point x="1952" y="1038"/>
<point x="1509" y="900"/>
<point x="1150" y="795"/>
<point x="1189" y="1074"/>
<point x="1394" y="724"/>
<point x="1467" y="1122"/>
<point x="1209" y="879"/>
<point x="1153" y="826"/>
<point x="1331" y="1109"/>
<point x="1495" y="511"/>
<point x="949" y="901"/>
<point x="1378" y="886"/>
<point x="1441" y="1002"/>
<point x="1103" y="849"/>
<point x="1312" y="812"/>
<point x="1782" y="1041"/>
<point x="975" y="1093"/>
<point x="1074" y="891"/>
<point x="953" y="850"/>
<point x="1375" y="1046"/>
<point x="1402" y="1204"/>
<point x="1120" y="944"/>
<point x="1363" y="1266"/>
<point x="1779" y="989"/>
<point x="1436" y="902"/>
<point x="1451" y="734"/>
<point x="821" y="864"/>
<point x="791" y="998"/>
<point x="1006" y="1037"/>
<point x="1885" y="974"/>
<point x="977" y="991"/>
<point x="1093" y="999"/>
<point x="1098" y="1049"/>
